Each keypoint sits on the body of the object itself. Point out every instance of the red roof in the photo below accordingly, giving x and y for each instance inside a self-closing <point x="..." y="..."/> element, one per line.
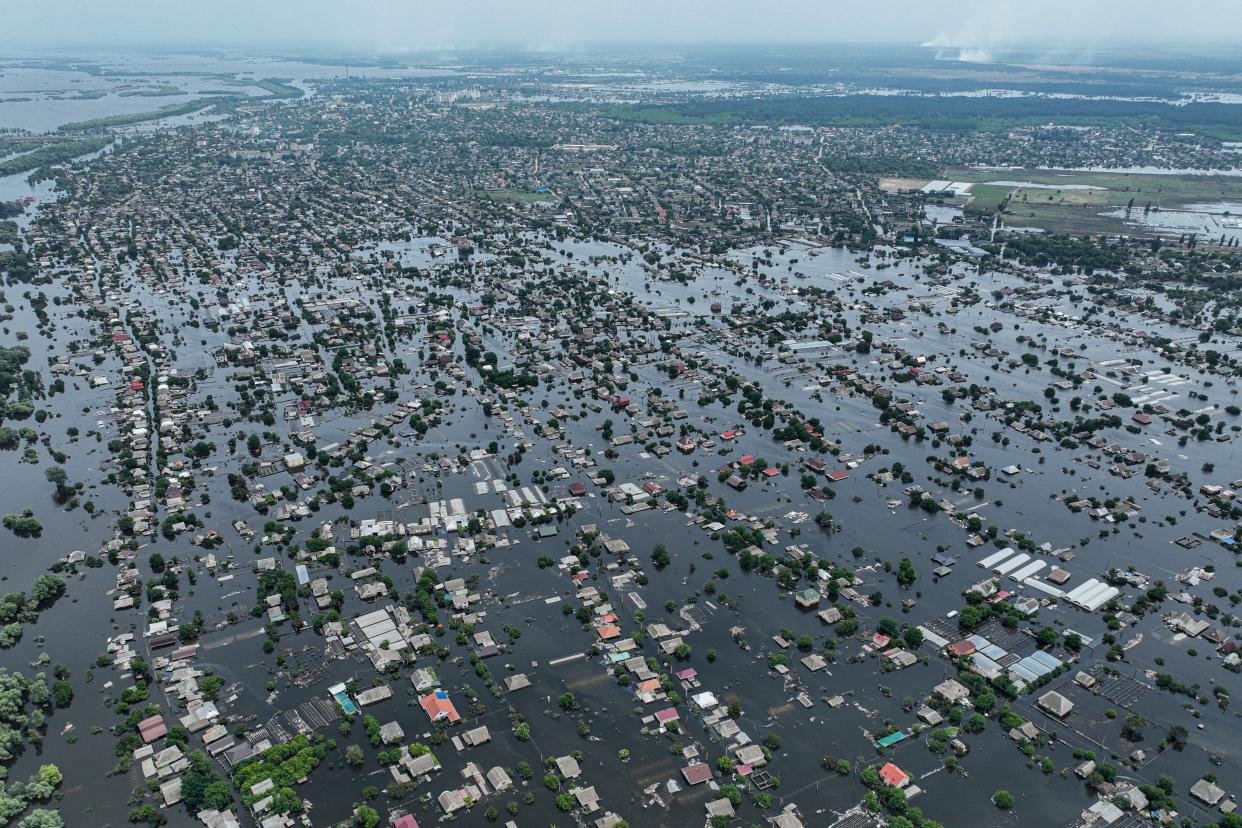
<point x="152" y="728"/>
<point x="438" y="706"/>
<point x="746" y="459"/>
<point x="838" y="475"/>
<point x="961" y="648"/>
<point x="608" y="631"/>
<point x="894" y="776"/>
<point x="406" y="821"/>
<point x="183" y="652"/>
<point x="697" y="773"/>
<point x="771" y="471"/>
<point x="668" y="714"/>
<point x="728" y="435"/>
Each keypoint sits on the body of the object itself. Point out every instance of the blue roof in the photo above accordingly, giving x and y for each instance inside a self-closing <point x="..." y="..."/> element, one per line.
<point x="1023" y="673"/>
<point x="1050" y="661"/>
<point x="984" y="663"/>
<point x="994" y="652"/>
<point x="891" y="739"/>
<point x="1034" y="665"/>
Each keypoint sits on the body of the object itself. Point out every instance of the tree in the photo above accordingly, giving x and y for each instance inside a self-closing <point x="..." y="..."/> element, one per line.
<point x="62" y="693"/>
<point x="1133" y="731"/>
<point x="50" y="774"/>
<point x="972" y="617"/>
<point x="984" y="700"/>
<point x="354" y="756"/>
<point x="58" y="476"/>
<point x="659" y="556"/>
<point x="25" y="525"/>
<point x="366" y="817"/>
<point x="1003" y="799"/>
<point x="42" y="818"/>
<point x="148" y="814"/>
<point x="46" y="589"/>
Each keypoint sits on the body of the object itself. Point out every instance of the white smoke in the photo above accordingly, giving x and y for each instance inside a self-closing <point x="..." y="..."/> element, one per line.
<point x="988" y="29"/>
<point x="1046" y="31"/>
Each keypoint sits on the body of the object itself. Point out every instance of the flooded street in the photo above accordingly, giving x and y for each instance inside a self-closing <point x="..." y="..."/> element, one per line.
<point x="407" y="444"/>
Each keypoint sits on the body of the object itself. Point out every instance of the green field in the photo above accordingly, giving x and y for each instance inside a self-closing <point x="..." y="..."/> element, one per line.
<point x="939" y="114"/>
<point x="168" y="111"/>
<point x="1054" y="207"/>
<point x="987" y="197"/>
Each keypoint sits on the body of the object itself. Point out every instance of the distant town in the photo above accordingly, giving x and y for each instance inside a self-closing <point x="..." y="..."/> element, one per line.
<point x="844" y="438"/>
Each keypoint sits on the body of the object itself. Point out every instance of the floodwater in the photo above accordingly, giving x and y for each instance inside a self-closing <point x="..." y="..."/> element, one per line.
<point x="1031" y="185"/>
<point x="40" y="99"/>
<point x="1209" y="221"/>
<point x="517" y="591"/>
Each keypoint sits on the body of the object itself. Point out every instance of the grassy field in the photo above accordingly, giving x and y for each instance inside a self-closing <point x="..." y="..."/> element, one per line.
<point x="168" y="111"/>
<point x="942" y="114"/>
<point x="896" y="185"/>
<point x="1057" y="207"/>
<point x="1116" y="189"/>
<point x="987" y="197"/>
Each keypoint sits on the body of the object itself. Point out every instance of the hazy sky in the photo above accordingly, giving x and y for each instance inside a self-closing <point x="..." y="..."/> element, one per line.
<point x="396" y="25"/>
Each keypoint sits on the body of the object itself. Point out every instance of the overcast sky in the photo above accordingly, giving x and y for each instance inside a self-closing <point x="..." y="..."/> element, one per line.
<point x="396" y="25"/>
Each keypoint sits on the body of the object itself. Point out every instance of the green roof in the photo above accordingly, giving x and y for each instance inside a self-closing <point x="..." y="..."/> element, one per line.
<point x="891" y="739"/>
